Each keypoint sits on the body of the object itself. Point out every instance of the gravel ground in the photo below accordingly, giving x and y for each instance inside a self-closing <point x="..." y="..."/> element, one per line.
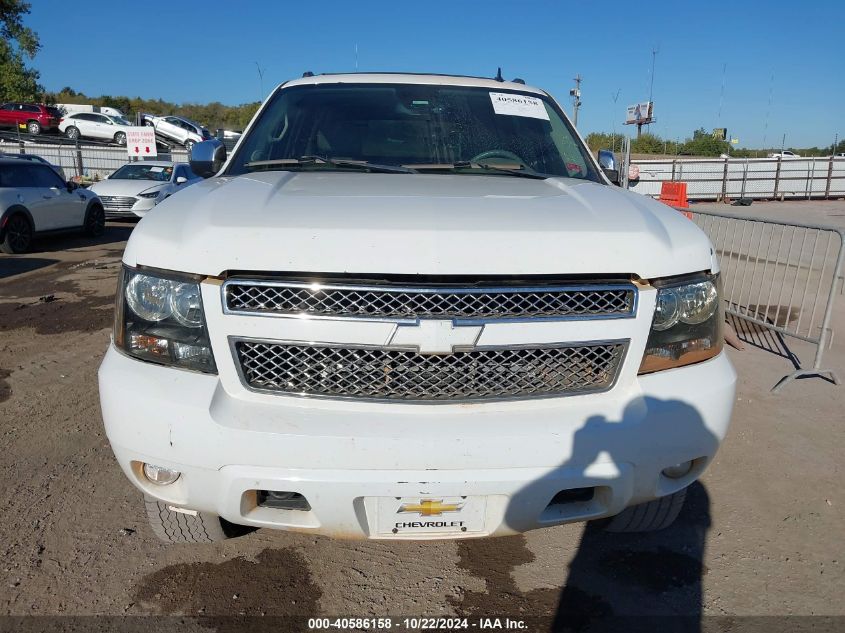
<point x="761" y="534"/>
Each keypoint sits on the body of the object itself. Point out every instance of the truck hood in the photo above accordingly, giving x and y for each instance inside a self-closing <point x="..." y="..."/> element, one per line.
<point x="348" y="222"/>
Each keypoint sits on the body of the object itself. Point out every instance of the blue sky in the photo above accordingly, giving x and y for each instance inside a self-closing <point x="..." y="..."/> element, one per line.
<point x="206" y="51"/>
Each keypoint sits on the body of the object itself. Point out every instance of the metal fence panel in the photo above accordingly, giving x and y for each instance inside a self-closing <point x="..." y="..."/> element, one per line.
<point x="760" y="178"/>
<point x="781" y="276"/>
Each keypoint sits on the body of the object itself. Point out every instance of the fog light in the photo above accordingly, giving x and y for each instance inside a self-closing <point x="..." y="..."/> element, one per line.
<point x="160" y="475"/>
<point x="678" y="470"/>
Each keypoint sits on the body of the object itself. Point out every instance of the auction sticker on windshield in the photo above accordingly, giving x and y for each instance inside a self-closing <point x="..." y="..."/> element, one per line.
<point x="518" y="105"/>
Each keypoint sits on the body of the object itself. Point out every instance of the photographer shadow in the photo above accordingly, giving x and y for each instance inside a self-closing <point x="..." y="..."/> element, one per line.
<point x="650" y="580"/>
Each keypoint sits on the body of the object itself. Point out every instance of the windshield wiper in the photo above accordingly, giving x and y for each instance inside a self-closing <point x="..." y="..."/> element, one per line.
<point x="508" y="169"/>
<point x="288" y="163"/>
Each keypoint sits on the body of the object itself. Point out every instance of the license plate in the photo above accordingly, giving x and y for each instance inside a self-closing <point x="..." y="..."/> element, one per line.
<point x="431" y="515"/>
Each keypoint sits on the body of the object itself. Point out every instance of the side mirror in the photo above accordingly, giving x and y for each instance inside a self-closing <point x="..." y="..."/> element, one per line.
<point x="612" y="176"/>
<point x="207" y="157"/>
<point x="607" y="162"/>
<point x="71" y="186"/>
<point x="606" y="159"/>
<point x="181" y="180"/>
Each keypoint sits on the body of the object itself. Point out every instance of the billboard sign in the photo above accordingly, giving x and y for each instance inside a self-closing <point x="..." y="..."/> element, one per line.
<point x="640" y="113"/>
<point x="720" y="133"/>
<point x="141" y="142"/>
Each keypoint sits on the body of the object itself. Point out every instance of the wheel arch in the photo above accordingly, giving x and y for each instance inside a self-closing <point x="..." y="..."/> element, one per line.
<point x="14" y="210"/>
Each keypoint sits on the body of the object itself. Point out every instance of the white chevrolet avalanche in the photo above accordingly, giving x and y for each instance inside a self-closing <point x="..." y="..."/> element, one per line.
<point x="413" y="307"/>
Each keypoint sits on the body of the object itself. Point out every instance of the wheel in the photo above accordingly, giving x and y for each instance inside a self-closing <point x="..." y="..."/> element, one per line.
<point x="72" y="132"/>
<point x="33" y="127"/>
<point x="179" y="527"/>
<point x="120" y="138"/>
<point x="95" y="222"/>
<point x="18" y="235"/>
<point x="650" y="516"/>
<point x="189" y="145"/>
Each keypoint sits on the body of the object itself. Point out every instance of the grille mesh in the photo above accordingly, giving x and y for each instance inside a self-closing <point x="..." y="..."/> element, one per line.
<point x="118" y="202"/>
<point x="387" y="302"/>
<point x="404" y="375"/>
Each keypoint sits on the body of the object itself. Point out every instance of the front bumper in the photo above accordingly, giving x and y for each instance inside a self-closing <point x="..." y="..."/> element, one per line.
<point x="345" y="456"/>
<point x="138" y="210"/>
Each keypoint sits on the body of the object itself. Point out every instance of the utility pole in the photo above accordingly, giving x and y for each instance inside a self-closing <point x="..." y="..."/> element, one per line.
<point x="575" y="93"/>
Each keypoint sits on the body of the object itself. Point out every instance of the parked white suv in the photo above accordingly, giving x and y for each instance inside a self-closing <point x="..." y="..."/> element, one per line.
<point x="35" y="202"/>
<point x="413" y="307"/>
<point x="95" y="125"/>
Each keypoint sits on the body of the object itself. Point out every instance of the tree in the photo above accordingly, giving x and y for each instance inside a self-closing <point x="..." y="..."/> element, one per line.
<point x="19" y="43"/>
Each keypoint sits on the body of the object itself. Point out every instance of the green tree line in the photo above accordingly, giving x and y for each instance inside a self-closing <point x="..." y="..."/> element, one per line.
<point x="702" y="143"/>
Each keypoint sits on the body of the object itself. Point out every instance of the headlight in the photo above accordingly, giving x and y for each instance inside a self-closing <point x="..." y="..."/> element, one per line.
<point x="152" y="194"/>
<point x="687" y="324"/>
<point x="160" y="319"/>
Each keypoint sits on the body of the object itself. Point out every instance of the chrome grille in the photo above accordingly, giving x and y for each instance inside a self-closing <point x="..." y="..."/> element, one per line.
<point x="386" y="301"/>
<point x="394" y="374"/>
<point x="118" y="202"/>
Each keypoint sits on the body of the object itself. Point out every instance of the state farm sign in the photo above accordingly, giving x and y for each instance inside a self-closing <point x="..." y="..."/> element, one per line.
<point x="141" y="142"/>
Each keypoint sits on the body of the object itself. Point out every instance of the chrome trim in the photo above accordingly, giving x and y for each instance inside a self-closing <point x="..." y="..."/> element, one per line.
<point x="234" y="340"/>
<point x="428" y="289"/>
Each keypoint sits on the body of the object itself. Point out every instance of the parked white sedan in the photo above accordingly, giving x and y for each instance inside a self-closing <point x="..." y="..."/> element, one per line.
<point x="136" y="188"/>
<point x="95" y="125"/>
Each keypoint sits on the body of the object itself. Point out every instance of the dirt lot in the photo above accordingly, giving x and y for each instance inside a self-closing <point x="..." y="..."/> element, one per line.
<point x="760" y="535"/>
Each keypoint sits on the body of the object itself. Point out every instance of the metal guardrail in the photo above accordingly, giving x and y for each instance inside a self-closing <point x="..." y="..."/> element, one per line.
<point x="755" y="178"/>
<point x="781" y="276"/>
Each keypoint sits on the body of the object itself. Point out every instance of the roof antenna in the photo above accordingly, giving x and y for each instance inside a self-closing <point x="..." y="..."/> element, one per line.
<point x="498" y="76"/>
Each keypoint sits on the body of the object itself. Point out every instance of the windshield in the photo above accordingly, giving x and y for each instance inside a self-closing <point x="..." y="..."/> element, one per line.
<point x="143" y="172"/>
<point x="119" y="120"/>
<point x="417" y="126"/>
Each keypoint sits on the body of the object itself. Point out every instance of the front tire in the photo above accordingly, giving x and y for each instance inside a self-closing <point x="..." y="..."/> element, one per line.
<point x="18" y="235"/>
<point x="120" y="138"/>
<point x="650" y="516"/>
<point x="72" y="133"/>
<point x="33" y="127"/>
<point x="95" y="222"/>
<point x="189" y="145"/>
<point x="178" y="527"/>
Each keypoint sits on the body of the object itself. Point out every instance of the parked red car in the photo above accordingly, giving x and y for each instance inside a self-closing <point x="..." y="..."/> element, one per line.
<point x="35" y="118"/>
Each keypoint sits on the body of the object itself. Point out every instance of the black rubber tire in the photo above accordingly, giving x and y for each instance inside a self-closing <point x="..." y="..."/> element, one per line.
<point x="72" y="132"/>
<point x="120" y="138"/>
<point x="33" y="127"/>
<point x="189" y="145"/>
<point x="650" y="516"/>
<point x="178" y="527"/>
<point x="95" y="222"/>
<point x="17" y="235"/>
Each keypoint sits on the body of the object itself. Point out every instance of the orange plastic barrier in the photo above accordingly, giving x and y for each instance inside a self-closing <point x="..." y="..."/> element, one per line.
<point x="674" y="194"/>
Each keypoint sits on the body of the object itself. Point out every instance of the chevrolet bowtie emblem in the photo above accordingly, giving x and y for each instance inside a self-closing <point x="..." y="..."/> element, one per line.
<point x="431" y="507"/>
<point x="435" y="336"/>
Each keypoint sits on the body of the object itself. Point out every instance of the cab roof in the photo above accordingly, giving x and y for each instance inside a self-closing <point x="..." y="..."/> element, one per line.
<point x="411" y="78"/>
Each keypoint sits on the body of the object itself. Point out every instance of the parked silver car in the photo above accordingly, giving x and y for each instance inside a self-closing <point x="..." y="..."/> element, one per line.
<point x="136" y="188"/>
